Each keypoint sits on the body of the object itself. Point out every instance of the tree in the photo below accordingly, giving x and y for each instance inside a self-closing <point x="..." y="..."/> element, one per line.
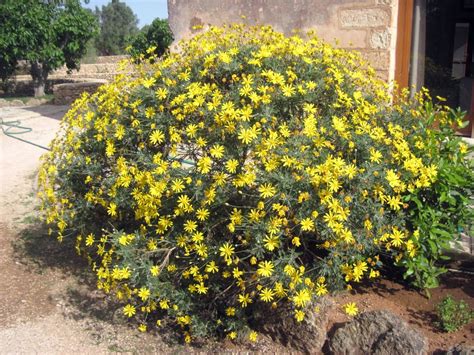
<point x="154" y="39"/>
<point x="117" y="24"/>
<point x="47" y="34"/>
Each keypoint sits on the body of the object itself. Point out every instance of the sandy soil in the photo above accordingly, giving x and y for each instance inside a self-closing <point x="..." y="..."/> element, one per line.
<point x="48" y="301"/>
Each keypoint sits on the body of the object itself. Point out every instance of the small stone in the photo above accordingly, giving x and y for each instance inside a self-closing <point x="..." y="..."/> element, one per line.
<point x="461" y="349"/>
<point x="378" y="332"/>
<point x="385" y="2"/>
<point x="16" y="103"/>
<point x="373" y="17"/>
<point x="379" y="60"/>
<point x="33" y="102"/>
<point x="380" y="39"/>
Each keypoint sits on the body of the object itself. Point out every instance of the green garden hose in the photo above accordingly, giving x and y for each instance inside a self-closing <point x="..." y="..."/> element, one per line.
<point x="183" y="161"/>
<point x="17" y="130"/>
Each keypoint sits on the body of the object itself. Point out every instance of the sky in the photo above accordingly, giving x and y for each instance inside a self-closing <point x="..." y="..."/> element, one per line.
<point x="146" y="10"/>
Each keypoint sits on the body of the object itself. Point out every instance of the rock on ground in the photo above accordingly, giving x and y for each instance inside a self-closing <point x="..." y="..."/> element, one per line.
<point x="307" y="336"/>
<point x="378" y="332"/>
<point x="16" y="103"/>
<point x="461" y="349"/>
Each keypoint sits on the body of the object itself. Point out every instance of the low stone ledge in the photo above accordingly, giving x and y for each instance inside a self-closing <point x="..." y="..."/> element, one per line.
<point x="65" y="94"/>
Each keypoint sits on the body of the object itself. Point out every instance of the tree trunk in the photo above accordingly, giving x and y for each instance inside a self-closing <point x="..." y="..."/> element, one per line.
<point x="39" y="74"/>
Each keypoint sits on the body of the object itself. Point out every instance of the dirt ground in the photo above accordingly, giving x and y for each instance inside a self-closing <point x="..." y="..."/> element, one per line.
<point x="48" y="302"/>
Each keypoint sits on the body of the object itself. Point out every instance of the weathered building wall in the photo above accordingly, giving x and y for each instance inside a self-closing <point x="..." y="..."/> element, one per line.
<point x="366" y="25"/>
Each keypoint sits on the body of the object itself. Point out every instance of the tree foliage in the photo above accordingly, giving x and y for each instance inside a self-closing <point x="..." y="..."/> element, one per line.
<point x="47" y="34"/>
<point x="117" y="24"/>
<point x="152" y="40"/>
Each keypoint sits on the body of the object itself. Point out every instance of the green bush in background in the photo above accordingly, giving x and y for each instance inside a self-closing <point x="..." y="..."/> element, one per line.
<point x="152" y="40"/>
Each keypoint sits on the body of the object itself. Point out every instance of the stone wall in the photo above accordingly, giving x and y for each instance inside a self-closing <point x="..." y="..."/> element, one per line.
<point x="23" y="86"/>
<point x="368" y="26"/>
<point x="103" y="71"/>
<point x="105" y="59"/>
<point x="64" y="94"/>
<point x="67" y="87"/>
<point x="88" y="71"/>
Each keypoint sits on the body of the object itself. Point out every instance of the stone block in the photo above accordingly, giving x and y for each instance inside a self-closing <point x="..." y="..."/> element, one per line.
<point x="66" y="93"/>
<point x="357" y="18"/>
<point x="15" y="103"/>
<point x="33" y="102"/>
<point x="350" y="39"/>
<point x="382" y="74"/>
<point x="385" y="2"/>
<point x="380" y="39"/>
<point x="379" y="60"/>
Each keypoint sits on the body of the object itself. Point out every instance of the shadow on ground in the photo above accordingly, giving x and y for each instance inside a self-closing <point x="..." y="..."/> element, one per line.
<point x="55" y="112"/>
<point x="79" y="297"/>
<point x="42" y="252"/>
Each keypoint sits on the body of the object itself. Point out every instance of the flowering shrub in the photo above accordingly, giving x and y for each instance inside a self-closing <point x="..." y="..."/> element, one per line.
<point x="248" y="170"/>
